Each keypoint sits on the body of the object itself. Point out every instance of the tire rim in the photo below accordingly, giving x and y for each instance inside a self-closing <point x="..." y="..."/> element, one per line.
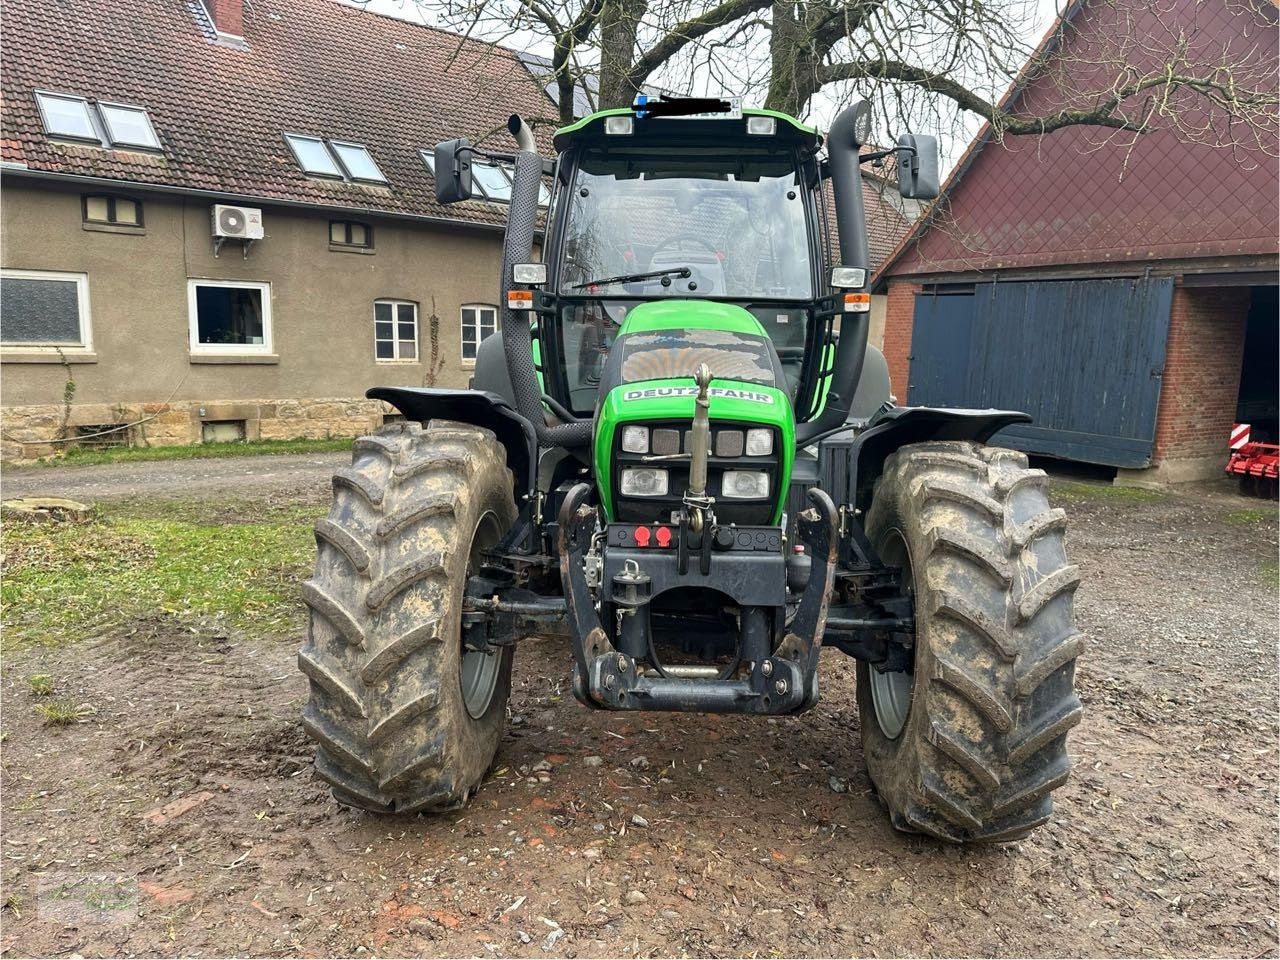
<point x="478" y="671"/>
<point x="891" y="693"/>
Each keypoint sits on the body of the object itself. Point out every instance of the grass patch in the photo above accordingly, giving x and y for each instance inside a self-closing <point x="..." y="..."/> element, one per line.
<point x="60" y="713"/>
<point x="1270" y="572"/>
<point x="1081" y="492"/>
<point x="1250" y="517"/>
<point x="40" y="684"/>
<point x="221" y="511"/>
<point x="68" y="581"/>
<point x="198" y="451"/>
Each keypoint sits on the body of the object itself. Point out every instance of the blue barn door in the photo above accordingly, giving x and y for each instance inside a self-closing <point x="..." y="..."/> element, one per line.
<point x="1084" y="357"/>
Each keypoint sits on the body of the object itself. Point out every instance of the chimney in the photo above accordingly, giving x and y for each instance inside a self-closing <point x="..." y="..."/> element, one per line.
<point x="227" y="17"/>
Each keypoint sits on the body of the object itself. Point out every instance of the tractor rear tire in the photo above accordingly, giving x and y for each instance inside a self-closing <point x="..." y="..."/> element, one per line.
<point x="970" y="744"/>
<point x="394" y="728"/>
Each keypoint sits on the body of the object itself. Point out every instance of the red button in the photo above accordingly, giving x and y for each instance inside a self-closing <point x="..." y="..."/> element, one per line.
<point x="642" y="536"/>
<point x="663" y="536"/>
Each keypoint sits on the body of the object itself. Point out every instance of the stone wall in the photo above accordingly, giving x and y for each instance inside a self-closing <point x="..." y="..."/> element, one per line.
<point x="28" y="433"/>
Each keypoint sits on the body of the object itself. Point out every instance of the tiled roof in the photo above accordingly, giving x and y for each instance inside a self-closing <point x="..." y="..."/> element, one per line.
<point x="311" y="66"/>
<point x="1082" y="195"/>
<point x="886" y="224"/>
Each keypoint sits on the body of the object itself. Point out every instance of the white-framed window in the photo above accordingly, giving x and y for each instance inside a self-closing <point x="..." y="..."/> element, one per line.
<point x="478" y="321"/>
<point x="45" y="311"/>
<point x="229" y="316"/>
<point x="395" y="331"/>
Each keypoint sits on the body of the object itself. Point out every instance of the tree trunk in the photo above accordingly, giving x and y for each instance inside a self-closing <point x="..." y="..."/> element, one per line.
<point x="619" y="21"/>
<point x="794" y="64"/>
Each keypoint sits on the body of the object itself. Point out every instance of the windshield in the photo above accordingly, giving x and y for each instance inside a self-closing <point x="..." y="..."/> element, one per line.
<point x="697" y="222"/>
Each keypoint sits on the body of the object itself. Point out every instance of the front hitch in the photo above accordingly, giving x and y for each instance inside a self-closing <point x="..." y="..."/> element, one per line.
<point x="780" y="681"/>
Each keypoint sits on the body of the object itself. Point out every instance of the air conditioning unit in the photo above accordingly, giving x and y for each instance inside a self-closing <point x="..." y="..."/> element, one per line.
<point x="237" y="223"/>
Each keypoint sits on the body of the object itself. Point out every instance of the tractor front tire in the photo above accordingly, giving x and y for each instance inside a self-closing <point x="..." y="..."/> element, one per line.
<point x="969" y="745"/>
<point x="403" y="717"/>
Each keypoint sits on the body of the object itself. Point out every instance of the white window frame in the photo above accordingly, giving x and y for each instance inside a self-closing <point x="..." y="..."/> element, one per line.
<point x="395" y="331"/>
<point x="267" y="347"/>
<point x="85" y="346"/>
<point x="128" y="144"/>
<point x="471" y="361"/>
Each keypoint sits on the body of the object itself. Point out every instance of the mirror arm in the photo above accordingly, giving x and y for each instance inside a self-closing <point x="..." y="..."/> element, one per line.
<point x="881" y="154"/>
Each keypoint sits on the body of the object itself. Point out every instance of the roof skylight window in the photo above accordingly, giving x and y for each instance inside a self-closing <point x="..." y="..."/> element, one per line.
<point x="334" y="159"/>
<point x="128" y="126"/>
<point x="493" y="181"/>
<point x="68" y="117"/>
<point x="357" y="161"/>
<point x="313" y="156"/>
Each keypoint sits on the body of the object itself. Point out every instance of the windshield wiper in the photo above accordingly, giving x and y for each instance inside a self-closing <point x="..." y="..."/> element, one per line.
<point x="682" y="272"/>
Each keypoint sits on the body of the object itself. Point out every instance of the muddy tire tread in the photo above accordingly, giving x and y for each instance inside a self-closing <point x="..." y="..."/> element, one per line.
<point x="382" y="596"/>
<point x="980" y="761"/>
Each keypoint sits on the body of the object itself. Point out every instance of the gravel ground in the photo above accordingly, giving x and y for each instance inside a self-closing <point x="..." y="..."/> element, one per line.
<point x="181" y="817"/>
<point x="279" y="475"/>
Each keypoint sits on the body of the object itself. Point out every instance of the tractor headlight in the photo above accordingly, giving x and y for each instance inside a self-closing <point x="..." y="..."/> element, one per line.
<point x="759" y="443"/>
<point x="644" y="482"/>
<point x="744" y="484"/>
<point x="635" y="439"/>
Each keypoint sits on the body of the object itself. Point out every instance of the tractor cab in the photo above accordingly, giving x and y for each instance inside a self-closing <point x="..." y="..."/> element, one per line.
<point x="721" y="208"/>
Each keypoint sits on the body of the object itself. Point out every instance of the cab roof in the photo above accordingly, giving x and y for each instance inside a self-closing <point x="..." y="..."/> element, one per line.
<point x="651" y="130"/>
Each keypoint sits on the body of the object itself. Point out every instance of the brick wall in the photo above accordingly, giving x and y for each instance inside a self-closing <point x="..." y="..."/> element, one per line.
<point x="899" y="316"/>
<point x="1201" y="372"/>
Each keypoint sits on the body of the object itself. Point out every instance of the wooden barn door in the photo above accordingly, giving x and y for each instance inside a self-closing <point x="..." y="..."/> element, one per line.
<point x="1084" y="357"/>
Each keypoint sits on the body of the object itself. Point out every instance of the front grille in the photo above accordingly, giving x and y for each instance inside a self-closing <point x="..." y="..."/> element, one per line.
<point x="728" y="441"/>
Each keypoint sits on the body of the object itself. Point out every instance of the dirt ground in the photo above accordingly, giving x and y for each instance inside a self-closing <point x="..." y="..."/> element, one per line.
<point x="276" y="476"/>
<point x="181" y="816"/>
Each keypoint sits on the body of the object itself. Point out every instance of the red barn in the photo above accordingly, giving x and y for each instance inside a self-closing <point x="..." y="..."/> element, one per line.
<point x="1121" y="288"/>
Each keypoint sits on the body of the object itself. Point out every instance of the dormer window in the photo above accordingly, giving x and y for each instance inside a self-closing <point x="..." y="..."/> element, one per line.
<point x="334" y="159"/>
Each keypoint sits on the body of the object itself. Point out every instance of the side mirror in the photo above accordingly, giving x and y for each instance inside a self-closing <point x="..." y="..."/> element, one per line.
<point x="453" y="171"/>
<point x="917" y="167"/>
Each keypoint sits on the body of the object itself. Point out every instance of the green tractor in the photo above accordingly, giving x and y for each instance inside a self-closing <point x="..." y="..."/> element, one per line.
<point x="680" y="451"/>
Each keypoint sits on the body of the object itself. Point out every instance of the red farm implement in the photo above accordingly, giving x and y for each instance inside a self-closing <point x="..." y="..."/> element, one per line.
<point x="1257" y="465"/>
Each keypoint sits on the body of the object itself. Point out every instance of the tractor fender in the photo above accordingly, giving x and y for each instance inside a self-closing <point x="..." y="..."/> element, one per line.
<point x="491" y="374"/>
<point x="896" y="427"/>
<point x="479" y="408"/>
